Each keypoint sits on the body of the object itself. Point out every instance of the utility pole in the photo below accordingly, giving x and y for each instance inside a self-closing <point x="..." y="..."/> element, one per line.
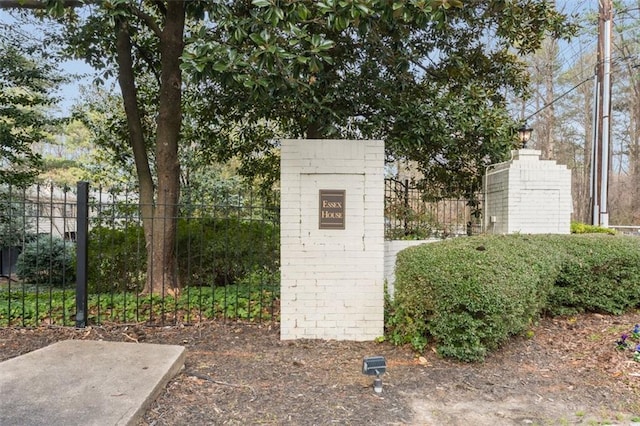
<point x="601" y="161"/>
<point x="547" y="135"/>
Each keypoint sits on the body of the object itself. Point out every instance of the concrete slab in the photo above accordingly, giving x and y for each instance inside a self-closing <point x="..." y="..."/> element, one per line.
<point x="81" y="382"/>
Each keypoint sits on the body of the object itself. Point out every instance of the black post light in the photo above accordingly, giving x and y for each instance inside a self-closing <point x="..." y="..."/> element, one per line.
<point x="375" y="366"/>
<point x="524" y="134"/>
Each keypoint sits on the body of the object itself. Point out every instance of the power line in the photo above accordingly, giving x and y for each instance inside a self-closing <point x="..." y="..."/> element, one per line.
<point x="560" y="97"/>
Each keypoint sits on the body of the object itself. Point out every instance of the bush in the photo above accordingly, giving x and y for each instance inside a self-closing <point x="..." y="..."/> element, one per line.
<point x="583" y="228"/>
<point x="117" y="259"/>
<point x="602" y="274"/>
<point x="223" y="251"/>
<point x="209" y="251"/>
<point x="471" y="294"/>
<point x="47" y="260"/>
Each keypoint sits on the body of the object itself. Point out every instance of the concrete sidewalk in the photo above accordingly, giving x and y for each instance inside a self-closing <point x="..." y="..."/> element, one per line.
<point x="82" y="382"/>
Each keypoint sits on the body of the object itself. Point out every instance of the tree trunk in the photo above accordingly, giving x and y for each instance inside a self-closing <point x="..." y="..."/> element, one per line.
<point x="314" y="131"/>
<point x="547" y="139"/>
<point x="127" y="84"/>
<point x="159" y="212"/>
<point x="163" y="260"/>
<point x="583" y="212"/>
<point x="634" y="152"/>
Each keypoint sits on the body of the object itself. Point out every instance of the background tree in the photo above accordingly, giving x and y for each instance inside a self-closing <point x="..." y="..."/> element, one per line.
<point x="574" y="124"/>
<point x="25" y="96"/>
<point x="546" y="68"/>
<point x="572" y="118"/>
<point x="627" y="109"/>
<point x="27" y="79"/>
<point x="110" y="164"/>
<point x="66" y="155"/>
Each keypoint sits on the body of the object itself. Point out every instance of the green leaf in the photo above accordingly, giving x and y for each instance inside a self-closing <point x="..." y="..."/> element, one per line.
<point x="303" y="12"/>
<point x="279" y="13"/>
<point x="218" y="66"/>
<point x="325" y="44"/>
<point x="257" y="39"/>
<point x="341" y="23"/>
<point x="239" y="34"/>
<point x="364" y="9"/>
<point x="314" y="65"/>
<point x="260" y="3"/>
<point x="265" y="35"/>
<point x="315" y="40"/>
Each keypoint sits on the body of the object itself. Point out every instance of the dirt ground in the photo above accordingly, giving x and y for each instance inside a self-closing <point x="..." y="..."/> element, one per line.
<point x="565" y="371"/>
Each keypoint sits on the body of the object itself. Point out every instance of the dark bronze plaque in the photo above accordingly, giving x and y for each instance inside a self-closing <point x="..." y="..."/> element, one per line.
<point x="332" y="209"/>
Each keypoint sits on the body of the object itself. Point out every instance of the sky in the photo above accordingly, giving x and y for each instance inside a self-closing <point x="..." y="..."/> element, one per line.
<point x="68" y="93"/>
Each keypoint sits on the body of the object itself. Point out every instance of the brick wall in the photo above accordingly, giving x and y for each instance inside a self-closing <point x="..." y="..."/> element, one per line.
<point x="528" y="195"/>
<point x="332" y="279"/>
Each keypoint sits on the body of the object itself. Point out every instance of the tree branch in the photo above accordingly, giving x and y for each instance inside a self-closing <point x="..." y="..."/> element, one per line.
<point x="149" y="60"/>
<point x="147" y="19"/>
<point x="40" y="4"/>
<point x="161" y="7"/>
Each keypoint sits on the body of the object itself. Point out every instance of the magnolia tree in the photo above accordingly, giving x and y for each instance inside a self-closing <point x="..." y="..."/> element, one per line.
<point x="426" y="76"/>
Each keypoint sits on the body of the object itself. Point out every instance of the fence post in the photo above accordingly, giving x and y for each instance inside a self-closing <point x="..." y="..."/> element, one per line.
<point x="82" y="254"/>
<point x="406" y="207"/>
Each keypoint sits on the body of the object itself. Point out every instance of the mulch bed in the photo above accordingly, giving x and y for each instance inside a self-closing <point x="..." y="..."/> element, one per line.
<point x="565" y="371"/>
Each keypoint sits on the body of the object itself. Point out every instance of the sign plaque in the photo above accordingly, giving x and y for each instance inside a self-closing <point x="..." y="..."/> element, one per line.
<point x="332" y="209"/>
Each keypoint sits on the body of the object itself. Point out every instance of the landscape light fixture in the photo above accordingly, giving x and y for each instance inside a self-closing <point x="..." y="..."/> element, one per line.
<point x="375" y="366"/>
<point x="524" y="134"/>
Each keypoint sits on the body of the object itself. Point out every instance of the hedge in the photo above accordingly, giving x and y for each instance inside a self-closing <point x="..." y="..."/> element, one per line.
<point x="601" y="274"/>
<point x="471" y="294"/>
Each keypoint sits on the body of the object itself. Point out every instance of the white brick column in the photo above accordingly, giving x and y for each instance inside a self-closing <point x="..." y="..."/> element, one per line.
<point x="332" y="279"/>
<point x="527" y="195"/>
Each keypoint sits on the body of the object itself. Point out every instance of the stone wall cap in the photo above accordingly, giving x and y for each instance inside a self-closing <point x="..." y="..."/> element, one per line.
<point x="528" y="154"/>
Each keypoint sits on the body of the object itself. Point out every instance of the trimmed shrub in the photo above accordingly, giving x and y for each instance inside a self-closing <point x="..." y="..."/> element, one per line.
<point x="471" y="294"/>
<point x="602" y="275"/>
<point x="47" y="260"/>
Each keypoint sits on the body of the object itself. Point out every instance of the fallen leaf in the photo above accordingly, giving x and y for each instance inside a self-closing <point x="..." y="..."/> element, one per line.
<point x="423" y="361"/>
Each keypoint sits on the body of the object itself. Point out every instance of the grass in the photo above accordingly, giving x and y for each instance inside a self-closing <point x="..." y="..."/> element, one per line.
<point x="33" y="306"/>
<point x="596" y="337"/>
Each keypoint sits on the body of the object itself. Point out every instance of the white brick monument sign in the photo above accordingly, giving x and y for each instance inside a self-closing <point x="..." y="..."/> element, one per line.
<point x="527" y="195"/>
<point x="332" y="239"/>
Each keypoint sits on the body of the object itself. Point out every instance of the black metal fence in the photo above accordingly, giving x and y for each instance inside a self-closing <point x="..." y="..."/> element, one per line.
<point x="226" y="254"/>
<point x="76" y="256"/>
<point x="410" y="215"/>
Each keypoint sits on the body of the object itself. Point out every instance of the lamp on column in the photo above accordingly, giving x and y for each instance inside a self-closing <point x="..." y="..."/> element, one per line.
<point x="524" y="134"/>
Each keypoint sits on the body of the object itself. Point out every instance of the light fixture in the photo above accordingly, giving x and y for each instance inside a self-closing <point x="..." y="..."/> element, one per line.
<point x="524" y="134"/>
<point x="375" y="366"/>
